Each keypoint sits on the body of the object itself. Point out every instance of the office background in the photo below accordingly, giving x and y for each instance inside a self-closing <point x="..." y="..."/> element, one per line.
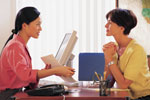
<point x="87" y="17"/>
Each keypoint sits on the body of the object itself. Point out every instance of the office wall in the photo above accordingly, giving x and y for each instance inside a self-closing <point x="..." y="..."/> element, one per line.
<point x="7" y="17"/>
<point x="8" y="13"/>
<point x="142" y="31"/>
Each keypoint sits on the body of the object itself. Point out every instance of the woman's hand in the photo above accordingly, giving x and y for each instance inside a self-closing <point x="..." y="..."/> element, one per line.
<point x="64" y="71"/>
<point x="109" y="50"/>
<point x="48" y="66"/>
<point x="59" y="71"/>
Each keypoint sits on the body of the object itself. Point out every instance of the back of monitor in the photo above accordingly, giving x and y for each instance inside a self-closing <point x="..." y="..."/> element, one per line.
<point x="89" y="63"/>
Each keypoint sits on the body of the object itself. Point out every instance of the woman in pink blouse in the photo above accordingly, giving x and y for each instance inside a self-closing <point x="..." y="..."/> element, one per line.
<point x="15" y="62"/>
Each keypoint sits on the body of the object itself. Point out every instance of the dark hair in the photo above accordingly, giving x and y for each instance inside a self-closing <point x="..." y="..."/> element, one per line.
<point x="25" y="15"/>
<point x="123" y="17"/>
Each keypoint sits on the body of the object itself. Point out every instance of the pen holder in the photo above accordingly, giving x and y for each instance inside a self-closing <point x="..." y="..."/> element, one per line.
<point x="104" y="89"/>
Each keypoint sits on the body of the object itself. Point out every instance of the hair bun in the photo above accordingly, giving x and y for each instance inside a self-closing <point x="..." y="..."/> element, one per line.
<point x="13" y="31"/>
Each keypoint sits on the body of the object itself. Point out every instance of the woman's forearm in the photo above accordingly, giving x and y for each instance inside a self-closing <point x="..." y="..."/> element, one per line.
<point x="112" y="81"/>
<point x="45" y="72"/>
<point x="121" y="80"/>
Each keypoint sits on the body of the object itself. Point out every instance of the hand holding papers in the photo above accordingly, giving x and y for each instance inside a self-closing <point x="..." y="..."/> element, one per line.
<point x="50" y="59"/>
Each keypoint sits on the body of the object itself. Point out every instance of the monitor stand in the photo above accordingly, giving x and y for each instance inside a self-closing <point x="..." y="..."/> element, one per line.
<point x="69" y="64"/>
<point x="70" y="61"/>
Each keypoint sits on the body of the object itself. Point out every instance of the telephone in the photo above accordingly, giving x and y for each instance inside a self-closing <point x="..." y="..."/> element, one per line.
<point x="47" y="90"/>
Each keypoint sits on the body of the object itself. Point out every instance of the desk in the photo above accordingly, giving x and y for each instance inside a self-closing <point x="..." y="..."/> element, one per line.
<point x="78" y="94"/>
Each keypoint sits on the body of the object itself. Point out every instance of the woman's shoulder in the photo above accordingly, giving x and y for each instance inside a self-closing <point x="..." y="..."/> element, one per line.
<point x="14" y="44"/>
<point x="136" y="46"/>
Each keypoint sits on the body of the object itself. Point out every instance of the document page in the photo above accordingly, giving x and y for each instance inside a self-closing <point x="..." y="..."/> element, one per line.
<point x="50" y="59"/>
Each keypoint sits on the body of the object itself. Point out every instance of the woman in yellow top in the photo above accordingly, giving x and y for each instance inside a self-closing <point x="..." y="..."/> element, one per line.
<point x="126" y="61"/>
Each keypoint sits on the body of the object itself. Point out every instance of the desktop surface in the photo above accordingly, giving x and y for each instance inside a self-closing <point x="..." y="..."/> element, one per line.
<point x="85" y="91"/>
<point x="77" y="93"/>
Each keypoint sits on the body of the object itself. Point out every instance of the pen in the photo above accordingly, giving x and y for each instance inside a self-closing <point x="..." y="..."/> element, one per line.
<point x="104" y="75"/>
<point x="97" y="76"/>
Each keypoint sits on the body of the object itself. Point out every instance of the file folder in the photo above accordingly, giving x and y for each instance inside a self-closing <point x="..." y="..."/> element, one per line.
<point x="89" y="63"/>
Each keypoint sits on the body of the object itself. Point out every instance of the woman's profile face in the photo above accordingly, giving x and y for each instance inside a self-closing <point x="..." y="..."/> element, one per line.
<point x="112" y="28"/>
<point x="34" y="28"/>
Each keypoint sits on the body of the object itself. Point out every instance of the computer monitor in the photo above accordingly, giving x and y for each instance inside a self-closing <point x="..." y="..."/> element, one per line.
<point x="64" y="52"/>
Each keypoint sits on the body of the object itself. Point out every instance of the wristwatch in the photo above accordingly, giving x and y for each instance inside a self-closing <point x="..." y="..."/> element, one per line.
<point x="111" y="63"/>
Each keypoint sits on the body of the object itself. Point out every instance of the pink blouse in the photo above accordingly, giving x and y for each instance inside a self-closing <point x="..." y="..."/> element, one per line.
<point x="15" y="65"/>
